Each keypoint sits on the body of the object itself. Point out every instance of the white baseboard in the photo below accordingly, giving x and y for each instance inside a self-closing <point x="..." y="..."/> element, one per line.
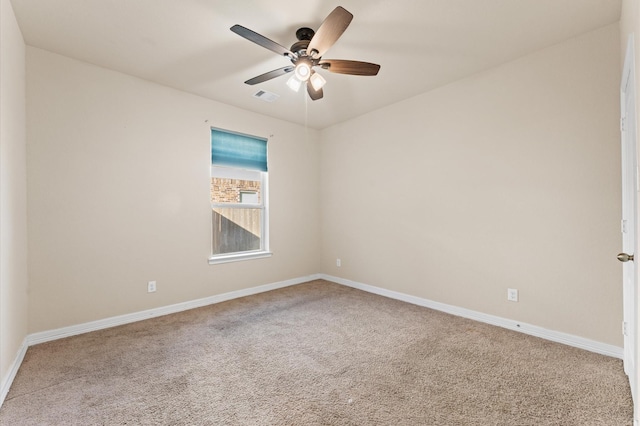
<point x="47" y="336"/>
<point x="554" y="336"/>
<point x="13" y="370"/>
<point x="73" y="330"/>
<point x="63" y="332"/>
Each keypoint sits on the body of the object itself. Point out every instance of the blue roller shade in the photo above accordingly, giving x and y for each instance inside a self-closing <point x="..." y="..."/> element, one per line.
<point x="234" y="150"/>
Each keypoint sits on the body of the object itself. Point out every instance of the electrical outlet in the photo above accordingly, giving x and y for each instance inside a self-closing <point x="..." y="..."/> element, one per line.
<point x="338" y="263"/>
<point x="151" y="286"/>
<point x="512" y="294"/>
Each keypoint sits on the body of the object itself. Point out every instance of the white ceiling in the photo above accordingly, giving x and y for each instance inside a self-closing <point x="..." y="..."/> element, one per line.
<point x="420" y="44"/>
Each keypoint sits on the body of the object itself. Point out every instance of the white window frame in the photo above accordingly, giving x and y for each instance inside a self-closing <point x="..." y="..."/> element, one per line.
<point x="243" y="174"/>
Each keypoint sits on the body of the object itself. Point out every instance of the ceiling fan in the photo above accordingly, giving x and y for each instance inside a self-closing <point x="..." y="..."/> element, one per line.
<point x="306" y="53"/>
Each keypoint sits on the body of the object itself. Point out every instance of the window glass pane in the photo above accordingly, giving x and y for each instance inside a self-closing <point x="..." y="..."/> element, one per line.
<point x="236" y="229"/>
<point x="235" y="191"/>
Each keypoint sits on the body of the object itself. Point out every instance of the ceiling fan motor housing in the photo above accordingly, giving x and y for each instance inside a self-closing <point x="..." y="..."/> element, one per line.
<point x="300" y="47"/>
<point x="304" y="36"/>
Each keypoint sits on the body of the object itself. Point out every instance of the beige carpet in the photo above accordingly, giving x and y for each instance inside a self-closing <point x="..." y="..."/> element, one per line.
<point x="315" y="354"/>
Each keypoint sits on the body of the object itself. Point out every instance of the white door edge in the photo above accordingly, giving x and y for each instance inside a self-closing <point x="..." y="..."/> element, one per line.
<point x="630" y="215"/>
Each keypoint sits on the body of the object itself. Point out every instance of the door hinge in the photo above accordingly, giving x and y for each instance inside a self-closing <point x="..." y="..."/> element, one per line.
<point x="623" y="226"/>
<point x="624" y="328"/>
<point x="622" y="119"/>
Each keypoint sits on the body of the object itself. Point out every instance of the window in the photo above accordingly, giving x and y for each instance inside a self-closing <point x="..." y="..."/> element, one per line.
<point x="238" y="197"/>
<point x="249" y="197"/>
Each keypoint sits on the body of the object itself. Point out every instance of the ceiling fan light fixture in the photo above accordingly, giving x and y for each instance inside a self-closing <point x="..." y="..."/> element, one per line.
<point x="303" y="71"/>
<point x="317" y="81"/>
<point x="294" y="84"/>
<point x="308" y="52"/>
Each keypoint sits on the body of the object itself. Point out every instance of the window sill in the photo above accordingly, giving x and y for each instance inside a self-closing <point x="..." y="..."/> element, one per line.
<point x="236" y="257"/>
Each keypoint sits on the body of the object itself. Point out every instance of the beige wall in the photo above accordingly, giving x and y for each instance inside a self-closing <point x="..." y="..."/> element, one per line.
<point x="119" y="189"/>
<point x="629" y="24"/>
<point x="13" y="202"/>
<point x="506" y="179"/>
<point x="509" y="178"/>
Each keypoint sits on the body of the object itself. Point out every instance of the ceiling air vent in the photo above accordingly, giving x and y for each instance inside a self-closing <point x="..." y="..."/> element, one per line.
<point x="266" y="96"/>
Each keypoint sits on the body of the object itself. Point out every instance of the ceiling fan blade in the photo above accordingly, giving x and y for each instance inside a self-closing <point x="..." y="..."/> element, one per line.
<point x="313" y="93"/>
<point x="330" y="31"/>
<point x="269" y="75"/>
<point x="342" y="66"/>
<point x="261" y="40"/>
